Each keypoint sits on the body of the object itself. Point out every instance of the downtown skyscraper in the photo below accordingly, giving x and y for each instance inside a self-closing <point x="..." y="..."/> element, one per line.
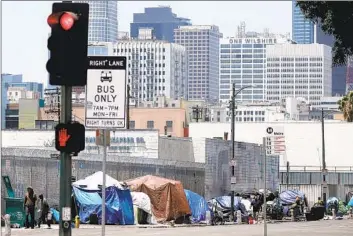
<point x="302" y="28"/>
<point x="103" y="21"/>
<point x="202" y="46"/>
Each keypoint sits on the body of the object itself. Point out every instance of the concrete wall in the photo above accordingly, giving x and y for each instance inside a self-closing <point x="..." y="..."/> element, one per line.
<point x="248" y="167"/>
<point x="175" y="149"/>
<point x="30" y="167"/>
<point x="303" y="139"/>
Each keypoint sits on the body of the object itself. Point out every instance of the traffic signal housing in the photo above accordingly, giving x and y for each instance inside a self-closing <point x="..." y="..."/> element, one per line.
<point x="70" y="138"/>
<point x="68" y="43"/>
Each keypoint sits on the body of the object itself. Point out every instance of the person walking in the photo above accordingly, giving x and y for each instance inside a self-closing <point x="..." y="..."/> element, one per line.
<point x="43" y="210"/>
<point x="29" y="205"/>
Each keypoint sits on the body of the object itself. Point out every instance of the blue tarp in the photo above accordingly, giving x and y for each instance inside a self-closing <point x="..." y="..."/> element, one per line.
<point x="56" y="215"/>
<point x="350" y="203"/>
<point x="288" y="196"/>
<point x="225" y="202"/>
<point x="119" y="208"/>
<point x="198" y="206"/>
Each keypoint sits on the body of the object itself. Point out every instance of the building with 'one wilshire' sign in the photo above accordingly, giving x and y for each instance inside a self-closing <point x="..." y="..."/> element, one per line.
<point x="243" y="62"/>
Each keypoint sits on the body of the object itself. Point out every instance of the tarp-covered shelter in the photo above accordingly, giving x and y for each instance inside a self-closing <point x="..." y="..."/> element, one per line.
<point x="167" y="196"/>
<point x="95" y="182"/>
<point x="288" y="197"/>
<point x="118" y="206"/>
<point x="198" y="206"/>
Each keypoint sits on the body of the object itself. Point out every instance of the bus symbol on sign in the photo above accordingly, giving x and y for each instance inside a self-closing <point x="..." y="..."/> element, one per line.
<point x="106" y="76"/>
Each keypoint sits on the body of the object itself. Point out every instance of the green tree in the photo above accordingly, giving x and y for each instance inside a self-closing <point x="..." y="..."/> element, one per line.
<point x="335" y="18"/>
<point x="346" y="106"/>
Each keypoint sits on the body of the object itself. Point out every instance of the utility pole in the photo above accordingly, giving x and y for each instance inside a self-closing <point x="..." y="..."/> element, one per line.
<point x="324" y="183"/>
<point x="233" y="148"/>
<point x="128" y="107"/>
<point x="264" y="146"/>
<point x="287" y="177"/>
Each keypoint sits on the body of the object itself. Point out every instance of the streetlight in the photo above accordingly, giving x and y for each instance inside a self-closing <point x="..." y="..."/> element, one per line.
<point x="234" y="94"/>
<point x="324" y="183"/>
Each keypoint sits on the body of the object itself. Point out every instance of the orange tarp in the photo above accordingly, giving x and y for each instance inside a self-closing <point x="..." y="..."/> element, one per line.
<point x="167" y="196"/>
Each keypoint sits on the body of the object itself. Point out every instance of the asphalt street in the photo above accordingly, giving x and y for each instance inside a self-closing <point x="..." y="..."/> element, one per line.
<point x="322" y="228"/>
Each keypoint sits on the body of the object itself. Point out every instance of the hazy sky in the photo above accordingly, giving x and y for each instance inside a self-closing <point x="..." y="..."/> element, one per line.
<point x="25" y="31"/>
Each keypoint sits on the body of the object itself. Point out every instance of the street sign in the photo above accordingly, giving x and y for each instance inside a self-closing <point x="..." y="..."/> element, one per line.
<point x="275" y="140"/>
<point x="100" y="137"/>
<point x="106" y="92"/>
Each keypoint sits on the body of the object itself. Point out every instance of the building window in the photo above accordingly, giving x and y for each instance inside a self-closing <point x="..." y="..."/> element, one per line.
<point x="169" y="125"/>
<point x="132" y="124"/>
<point x="150" y="124"/>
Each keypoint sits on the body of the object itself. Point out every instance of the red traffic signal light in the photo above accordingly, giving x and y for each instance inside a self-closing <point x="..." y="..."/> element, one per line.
<point x="65" y="19"/>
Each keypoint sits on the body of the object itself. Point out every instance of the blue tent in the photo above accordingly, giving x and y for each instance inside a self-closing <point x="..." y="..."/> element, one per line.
<point x="119" y="208"/>
<point x="198" y="206"/>
<point x="288" y="197"/>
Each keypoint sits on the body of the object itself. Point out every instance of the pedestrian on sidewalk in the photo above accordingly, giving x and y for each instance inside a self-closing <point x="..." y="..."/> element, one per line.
<point x="29" y="205"/>
<point x="44" y="211"/>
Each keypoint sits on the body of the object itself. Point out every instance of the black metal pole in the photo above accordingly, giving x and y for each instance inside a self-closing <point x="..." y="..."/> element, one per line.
<point x="324" y="184"/>
<point x="287" y="177"/>
<point x="128" y="107"/>
<point x="65" y="165"/>
<point x="58" y="96"/>
<point x="233" y="146"/>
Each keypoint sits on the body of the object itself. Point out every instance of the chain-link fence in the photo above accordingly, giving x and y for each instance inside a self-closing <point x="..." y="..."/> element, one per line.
<point x="33" y="167"/>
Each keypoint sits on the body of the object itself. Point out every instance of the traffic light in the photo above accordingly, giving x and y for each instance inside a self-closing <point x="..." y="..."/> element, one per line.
<point x="70" y="138"/>
<point x="67" y="44"/>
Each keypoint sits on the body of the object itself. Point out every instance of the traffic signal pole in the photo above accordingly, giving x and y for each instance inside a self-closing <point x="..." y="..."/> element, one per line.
<point x="65" y="167"/>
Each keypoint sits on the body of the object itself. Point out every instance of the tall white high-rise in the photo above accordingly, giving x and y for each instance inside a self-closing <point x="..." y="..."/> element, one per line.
<point x="299" y="70"/>
<point x="155" y="68"/>
<point x="202" y="45"/>
<point x="103" y="21"/>
<point x="243" y="62"/>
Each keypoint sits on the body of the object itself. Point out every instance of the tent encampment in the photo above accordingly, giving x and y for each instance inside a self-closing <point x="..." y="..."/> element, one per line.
<point x="198" y="206"/>
<point x="95" y="181"/>
<point x="167" y="196"/>
<point x="119" y="208"/>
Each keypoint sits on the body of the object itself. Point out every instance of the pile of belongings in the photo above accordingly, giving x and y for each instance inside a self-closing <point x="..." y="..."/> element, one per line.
<point x="288" y="198"/>
<point x="339" y="206"/>
<point x="223" y="204"/>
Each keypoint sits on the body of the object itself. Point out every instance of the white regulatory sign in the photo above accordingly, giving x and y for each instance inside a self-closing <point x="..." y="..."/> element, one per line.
<point x="106" y="92"/>
<point x="66" y="214"/>
<point x="275" y="141"/>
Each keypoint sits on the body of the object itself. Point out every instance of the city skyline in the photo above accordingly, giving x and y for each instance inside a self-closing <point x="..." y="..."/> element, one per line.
<point x="13" y="44"/>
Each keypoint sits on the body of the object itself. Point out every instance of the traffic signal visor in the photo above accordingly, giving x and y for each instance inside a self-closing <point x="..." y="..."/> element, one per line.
<point x="65" y="19"/>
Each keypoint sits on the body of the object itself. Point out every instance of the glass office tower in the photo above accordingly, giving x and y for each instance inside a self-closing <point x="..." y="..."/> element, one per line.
<point x="302" y="28"/>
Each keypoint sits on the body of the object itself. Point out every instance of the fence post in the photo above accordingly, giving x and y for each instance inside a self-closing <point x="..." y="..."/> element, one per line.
<point x="30" y="172"/>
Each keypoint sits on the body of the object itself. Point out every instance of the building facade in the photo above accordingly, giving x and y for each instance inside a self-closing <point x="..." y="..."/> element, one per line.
<point x="243" y="62"/>
<point x="161" y="19"/>
<point x="302" y="28"/>
<point x="103" y="21"/>
<point x="155" y="68"/>
<point x="299" y="70"/>
<point x="202" y="45"/>
<point x="338" y="72"/>
<point x="6" y="80"/>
